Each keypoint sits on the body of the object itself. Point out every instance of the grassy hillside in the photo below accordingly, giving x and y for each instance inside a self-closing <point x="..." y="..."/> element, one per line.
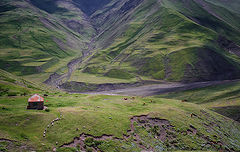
<point x="164" y="40"/>
<point x="209" y="94"/>
<point x="11" y="85"/>
<point x="167" y="40"/>
<point x="209" y="14"/>
<point x="178" y="126"/>
<point x="223" y="99"/>
<point x="37" y="41"/>
<point x="119" y="42"/>
<point x="130" y="39"/>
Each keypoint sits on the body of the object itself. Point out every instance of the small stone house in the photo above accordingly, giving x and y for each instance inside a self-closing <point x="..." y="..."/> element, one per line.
<point x="36" y="102"/>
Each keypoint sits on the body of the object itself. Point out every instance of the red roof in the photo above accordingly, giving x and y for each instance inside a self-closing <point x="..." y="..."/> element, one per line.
<point x="36" y="98"/>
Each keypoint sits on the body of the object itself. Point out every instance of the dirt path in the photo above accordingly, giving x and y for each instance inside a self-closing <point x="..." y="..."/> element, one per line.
<point x="157" y="89"/>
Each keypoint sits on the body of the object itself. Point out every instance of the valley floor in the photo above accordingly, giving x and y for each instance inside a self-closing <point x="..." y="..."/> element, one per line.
<point x="157" y="89"/>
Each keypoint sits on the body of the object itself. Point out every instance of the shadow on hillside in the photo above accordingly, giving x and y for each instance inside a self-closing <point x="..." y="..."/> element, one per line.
<point x="232" y="112"/>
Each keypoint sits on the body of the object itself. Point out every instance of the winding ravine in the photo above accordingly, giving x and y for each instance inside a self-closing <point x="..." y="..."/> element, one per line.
<point x="56" y="79"/>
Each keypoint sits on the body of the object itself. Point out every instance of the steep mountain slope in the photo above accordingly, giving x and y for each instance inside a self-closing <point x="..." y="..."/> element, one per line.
<point x="90" y="6"/>
<point x="186" y="40"/>
<point x="38" y="35"/>
<point x="223" y="99"/>
<point x="170" y="40"/>
<point x="11" y="85"/>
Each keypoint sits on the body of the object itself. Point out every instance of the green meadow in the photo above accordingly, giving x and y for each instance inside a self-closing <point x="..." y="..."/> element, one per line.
<point x="100" y="114"/>
<point x="197" y="124"/>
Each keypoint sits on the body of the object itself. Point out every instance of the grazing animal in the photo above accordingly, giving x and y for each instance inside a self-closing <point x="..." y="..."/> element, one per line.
<point x="125" y="98"/>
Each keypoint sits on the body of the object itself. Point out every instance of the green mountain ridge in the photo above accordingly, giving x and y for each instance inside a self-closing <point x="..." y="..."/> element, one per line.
<point x="34" y="41"/>
<point x="164" y="40"/>
<point x="157" y="40"/>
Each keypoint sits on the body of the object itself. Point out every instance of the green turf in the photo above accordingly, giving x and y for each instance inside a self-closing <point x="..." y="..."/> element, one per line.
<point x="34" y="42"/>
<point x="166" y="42"/>
<point x="145" y="43"/>
<point x="209" y="94"/>
<point x="91" y="115"/>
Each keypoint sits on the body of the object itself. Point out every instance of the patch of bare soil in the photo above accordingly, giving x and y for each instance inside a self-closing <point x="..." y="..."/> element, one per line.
<point x="161" y="128"/>
<point x="82" y="141"/>
<point x="163" y="131"/>
<point x="148" y="123"/>
<point x="13" y="145"/>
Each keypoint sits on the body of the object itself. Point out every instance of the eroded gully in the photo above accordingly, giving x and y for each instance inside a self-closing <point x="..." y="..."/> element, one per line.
<point x="56" y="79"/>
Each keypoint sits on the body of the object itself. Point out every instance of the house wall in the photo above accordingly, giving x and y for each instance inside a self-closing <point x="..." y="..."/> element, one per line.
<point x="35" y="105"/>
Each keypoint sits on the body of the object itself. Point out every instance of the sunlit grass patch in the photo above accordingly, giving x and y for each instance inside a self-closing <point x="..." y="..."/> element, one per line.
<point x="33" y="63"/>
